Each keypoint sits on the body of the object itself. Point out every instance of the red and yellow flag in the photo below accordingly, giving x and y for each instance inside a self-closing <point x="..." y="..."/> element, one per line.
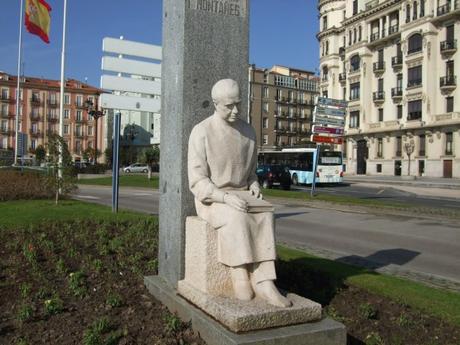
<point x="38" y="18"/>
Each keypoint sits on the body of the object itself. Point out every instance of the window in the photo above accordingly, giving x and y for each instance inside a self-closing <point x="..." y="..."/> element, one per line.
<point x="265" y="107"/>
<point x="398" y="146"/>
<point x="355" y="62"/>
<point x="79" y="115"/>
<point x="449" y="138"/>
<point x="380" y="147"/>
<point x="265" y="92"/>
<point x="325" y="23"/>
<point x="66" y="99"/>
<point x="414" y="110"/>
<point x="379" y="168"/>
<point x="33" y="144"/>
<point x="355" y="36"/>
<point x="349" y="38"/>
<point x="421" y="145"/>
<point x="4" y="109"/>
<point x="407" y="13"/>
<point x="360" y="33"/>
<point x="380" y="115"/>
<point x="327" y="47"/>
<point x="264" y="123"/>
<point x="79" y="100"/>
<point x="355" y="7"/>
<point x="66" y="113"/>
<point x="415" y="10"/>
<point x="449" y="104"/>
<point x="4" y="93"/>
<point x="354" y="119"/>
<point x="354" y="91"/>
<point x="265" y="142"/>
<point x="291" y="112"/>
<point x="325" y="73"/>
<point x="90" y="144"/>
<point x="414" y="76"/>
<point x="90" y="130"/>
<point x="422" y="8"/>
<point x="399" y="111"/>
<point x="415" y="43"/>
<point x="66" y="129"/>
<point x="325" y="93"/>
<point x="279" y="94"/>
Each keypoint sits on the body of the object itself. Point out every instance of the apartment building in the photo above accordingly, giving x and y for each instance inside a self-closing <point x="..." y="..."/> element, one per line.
<point x="281" y="106"/>
<point x="39" y="114"/>
<point x="396" y="62"/>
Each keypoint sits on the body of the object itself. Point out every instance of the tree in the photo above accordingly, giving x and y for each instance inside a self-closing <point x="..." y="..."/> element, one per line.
<point x="150" y="156"/>
<point x="108" y="153"/>
<point x="60" y="178"/>
<point x="40" y="154"/>
<point x="90" y="154"/>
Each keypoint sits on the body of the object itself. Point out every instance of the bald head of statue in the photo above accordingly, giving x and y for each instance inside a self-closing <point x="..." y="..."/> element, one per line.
<point x="226" y="97"/>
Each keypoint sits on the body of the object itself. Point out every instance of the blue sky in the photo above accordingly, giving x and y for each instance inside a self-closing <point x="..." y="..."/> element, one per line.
<point x="281" y="32"/>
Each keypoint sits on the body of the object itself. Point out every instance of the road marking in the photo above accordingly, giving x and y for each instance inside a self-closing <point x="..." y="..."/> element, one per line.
<point x="380" y="191"/>
<point x="87" y="197"/>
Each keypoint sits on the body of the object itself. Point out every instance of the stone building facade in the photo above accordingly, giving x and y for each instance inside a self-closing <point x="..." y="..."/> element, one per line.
<point x="396" y="62"/>
<point x="39" y="114"/>
<point x="281" y="106"/>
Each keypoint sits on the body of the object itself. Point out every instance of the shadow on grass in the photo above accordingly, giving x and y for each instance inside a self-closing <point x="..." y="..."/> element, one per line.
<point x="321" y="279"/>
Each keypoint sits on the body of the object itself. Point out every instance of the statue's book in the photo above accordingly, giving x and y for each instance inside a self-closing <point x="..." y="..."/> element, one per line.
<point x="254" y="205"/>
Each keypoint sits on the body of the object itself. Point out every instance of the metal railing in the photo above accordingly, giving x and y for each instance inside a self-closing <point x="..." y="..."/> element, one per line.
<point x="396" y="92"/>
<point x="393" y="29"/>
<point x="378" y="96"/>
<point x="396" y="60"/>
<point x="379" y="66"/>
<point x="414" y="82"/>
<point x="448" y="45"/>
<point x="448" y="80"/>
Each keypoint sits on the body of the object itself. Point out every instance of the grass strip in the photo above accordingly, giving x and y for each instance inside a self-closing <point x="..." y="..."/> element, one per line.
<point x="437" y="302"/>
<point x="125" y="181"/>
<point x="25" y="212"/>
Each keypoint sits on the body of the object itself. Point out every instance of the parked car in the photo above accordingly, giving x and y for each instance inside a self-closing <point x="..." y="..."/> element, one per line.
<point x="274" y="175"/>
<point x="136" y="167"/>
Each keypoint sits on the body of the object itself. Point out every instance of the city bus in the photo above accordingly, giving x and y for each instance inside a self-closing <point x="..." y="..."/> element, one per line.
<point x="300" y="163"/>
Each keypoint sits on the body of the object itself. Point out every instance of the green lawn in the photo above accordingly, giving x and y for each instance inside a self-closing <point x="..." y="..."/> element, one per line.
<point x="125" y="181"/>
<point x="437" y="302"/>
<point x="25" y="212"/>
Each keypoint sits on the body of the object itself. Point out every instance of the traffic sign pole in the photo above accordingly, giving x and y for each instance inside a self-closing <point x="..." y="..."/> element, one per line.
<point x="315" y="168"/>
<point x="115" y="162"/>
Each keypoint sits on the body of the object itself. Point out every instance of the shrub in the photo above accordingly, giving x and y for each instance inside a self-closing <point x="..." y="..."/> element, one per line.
<point x="16" y="184"/>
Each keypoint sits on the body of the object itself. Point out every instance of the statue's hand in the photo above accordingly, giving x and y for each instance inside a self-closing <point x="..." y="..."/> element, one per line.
<point x="236" y="202"/>
<point x="255" y="190"/>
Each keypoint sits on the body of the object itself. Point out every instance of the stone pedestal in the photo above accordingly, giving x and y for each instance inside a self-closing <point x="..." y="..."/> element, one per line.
<point x="208" y="285"/>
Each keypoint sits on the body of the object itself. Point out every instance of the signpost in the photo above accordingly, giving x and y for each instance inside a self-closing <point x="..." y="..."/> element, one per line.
<point x="133" y="92"/>
<point x="329" y="123"/>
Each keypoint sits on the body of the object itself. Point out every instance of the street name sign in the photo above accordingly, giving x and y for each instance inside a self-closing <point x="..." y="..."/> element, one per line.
<point x="329" y="140"/>
<point x="329" y="120"/>
<point x="327" y="130"/>
<point x="332" y="102"/>
<point x="330" y="111"/>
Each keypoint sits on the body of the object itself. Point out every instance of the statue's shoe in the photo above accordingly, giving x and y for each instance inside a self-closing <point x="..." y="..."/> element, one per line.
<point x="268" y="291"/>
<point x="243" y="290"/>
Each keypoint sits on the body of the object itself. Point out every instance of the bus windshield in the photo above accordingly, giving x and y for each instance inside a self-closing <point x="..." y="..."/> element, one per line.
<point x="330" y="158"/>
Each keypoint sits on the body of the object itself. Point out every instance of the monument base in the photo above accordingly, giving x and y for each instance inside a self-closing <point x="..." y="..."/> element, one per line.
<point x="324" y="332"/>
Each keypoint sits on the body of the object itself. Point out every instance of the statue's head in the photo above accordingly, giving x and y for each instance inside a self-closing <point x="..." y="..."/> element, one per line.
<point x="226" y="97"/>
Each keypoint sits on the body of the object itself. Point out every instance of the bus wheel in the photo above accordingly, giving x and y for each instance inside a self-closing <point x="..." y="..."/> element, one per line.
<point x="295" y="180"/>
<point x="265" y="184"/>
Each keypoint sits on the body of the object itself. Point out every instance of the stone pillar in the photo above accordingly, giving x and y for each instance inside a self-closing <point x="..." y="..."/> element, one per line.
<point x="203" y="42"/>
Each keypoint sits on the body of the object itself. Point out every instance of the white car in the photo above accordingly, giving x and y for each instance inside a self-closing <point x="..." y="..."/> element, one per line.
<point x="136" y="167"/>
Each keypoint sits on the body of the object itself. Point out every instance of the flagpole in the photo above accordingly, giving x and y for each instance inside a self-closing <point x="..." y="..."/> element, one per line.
<point x="61" y="100"/>
<point x="18" y="90"/>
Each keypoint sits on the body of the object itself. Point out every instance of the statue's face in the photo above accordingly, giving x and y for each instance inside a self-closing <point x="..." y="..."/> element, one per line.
<point x="228" y="110"/>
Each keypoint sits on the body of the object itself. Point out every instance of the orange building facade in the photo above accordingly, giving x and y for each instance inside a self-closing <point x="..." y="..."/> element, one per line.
<point x="39" y="114"/>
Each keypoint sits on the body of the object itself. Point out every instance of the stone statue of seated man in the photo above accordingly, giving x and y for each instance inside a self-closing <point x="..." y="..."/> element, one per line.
<point x="222" y="158"/>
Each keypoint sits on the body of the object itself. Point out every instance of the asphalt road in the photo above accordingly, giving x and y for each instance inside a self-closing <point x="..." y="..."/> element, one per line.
<point x="385" y="193"/>
<point x="397" y="244"/>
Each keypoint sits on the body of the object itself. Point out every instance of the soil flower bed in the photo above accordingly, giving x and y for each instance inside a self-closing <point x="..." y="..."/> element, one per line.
<point x="81" y="282"/>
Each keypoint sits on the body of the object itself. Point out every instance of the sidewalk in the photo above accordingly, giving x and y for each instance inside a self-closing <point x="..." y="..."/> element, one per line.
<point x="423" y="186"/>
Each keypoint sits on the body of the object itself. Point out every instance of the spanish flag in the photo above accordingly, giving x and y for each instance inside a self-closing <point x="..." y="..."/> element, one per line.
<point x="38" y="18"/>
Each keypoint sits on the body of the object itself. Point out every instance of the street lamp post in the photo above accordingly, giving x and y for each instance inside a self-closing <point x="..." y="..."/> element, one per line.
<point x="96" y="114"/>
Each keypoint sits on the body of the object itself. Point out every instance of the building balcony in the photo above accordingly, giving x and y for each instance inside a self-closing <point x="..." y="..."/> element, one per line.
<point x="342" y="77"/>
<point x="4" y="130"/>
<point x="35" y="133"/>
<point x="447" y="8"/>
<point x="7" y="98"/>
<point x="52" y="118"/>
<point x="52" y="103"/>
<point x="280" y="114"/>
<point x="280" y="99"/>
<point x="393" y="29"/>
<point x="448" y="47"/>
<point x="80" y="105"/>
<point x="414" y="116"/>
<point x="448" y="82"/>
<point x="35" y="101"/>
<point x="80" y="120"/>
<point x="378" y="96"/>
<point x="375" y="36"/>
<point x="4" y="115"/>
<point x="397" y="62"/>
<point x="35" y="117"/>
<point x="379" y="67"/>
<point x="396" y="92"/>
<point x="280" y="130"/>
<point x="414" y="83"/>
<point x="78" y="134"/>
